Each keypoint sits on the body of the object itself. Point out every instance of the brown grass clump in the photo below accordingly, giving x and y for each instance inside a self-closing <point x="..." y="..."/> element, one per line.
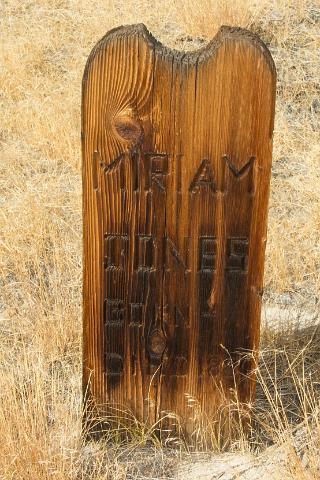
<point x="44" y="48"/>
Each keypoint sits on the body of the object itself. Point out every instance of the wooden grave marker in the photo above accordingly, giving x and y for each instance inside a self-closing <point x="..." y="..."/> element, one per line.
<point x="176" y="171"/>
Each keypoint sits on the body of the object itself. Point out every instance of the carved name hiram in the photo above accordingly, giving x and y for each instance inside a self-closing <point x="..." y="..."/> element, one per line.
<point x="156" y="168"/>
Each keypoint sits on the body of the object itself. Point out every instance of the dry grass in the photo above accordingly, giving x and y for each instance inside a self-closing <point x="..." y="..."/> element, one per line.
<point x="44" y="47"/>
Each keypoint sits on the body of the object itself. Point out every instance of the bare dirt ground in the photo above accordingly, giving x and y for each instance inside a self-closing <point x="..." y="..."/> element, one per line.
<point x="44" y="47"/>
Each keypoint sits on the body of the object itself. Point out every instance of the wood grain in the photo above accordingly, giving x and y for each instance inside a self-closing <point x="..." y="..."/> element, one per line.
<point x="176" y="172"/>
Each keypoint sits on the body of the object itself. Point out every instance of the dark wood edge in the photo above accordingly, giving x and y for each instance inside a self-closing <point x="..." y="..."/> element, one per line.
<point x="192" y="57"/>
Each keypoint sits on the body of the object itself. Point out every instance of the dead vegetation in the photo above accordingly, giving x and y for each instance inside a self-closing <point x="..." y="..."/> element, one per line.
<point x="44" y="48"/>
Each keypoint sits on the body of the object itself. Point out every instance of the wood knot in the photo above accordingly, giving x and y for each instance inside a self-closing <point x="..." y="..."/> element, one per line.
<point x="129" y="129"/>
<point x="157" y="343"/>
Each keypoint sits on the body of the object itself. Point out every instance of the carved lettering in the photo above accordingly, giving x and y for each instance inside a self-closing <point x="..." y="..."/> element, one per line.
<point x="114" y="312"/>
<point x="203" y="178"/>
<point x="207" y="267"/>
<point x="181" y="259"/>
<point x="237" y="254"/>
<point x="142" y="278"/>
<point x="136" y="314"/>
<point x="145" y="252"/>
<point x="208" y="252"/>
<point x="158" y="170"/>
<point x="116" y="250"/>
<point x="114" y="281"/>
<point x="118" y="313"/>
<point x="247" y="169"/>
<point x="116" y="165"/>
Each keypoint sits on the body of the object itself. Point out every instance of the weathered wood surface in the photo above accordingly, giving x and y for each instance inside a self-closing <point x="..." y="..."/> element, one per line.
<point x="176" y="171"/>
